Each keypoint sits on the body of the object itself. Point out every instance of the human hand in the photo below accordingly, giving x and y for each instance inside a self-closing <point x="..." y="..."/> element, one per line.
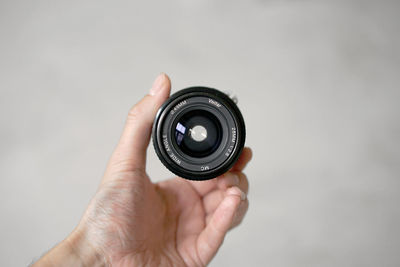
<point x="134" y="222"/>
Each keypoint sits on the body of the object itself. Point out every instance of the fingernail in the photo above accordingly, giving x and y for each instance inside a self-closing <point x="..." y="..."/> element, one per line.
<point x="234" y="190"/>
<point x="158" y="84"/>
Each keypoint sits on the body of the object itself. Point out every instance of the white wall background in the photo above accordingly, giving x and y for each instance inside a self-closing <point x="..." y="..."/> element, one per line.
<point x="318" y="84"/>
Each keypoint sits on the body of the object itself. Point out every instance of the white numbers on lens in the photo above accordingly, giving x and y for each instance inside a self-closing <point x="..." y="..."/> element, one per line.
<point x="229" y="151"/>
<point x="233" y="134"/>
<point x="178" y="106"/>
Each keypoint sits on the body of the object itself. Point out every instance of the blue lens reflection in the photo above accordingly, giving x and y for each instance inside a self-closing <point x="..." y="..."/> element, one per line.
<point x="179" y="133"/>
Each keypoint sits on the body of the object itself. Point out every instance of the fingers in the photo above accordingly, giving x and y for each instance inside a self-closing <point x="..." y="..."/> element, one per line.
<point x="130" y="153"/>
<point x="205" y="187"/>
<point x="239" y="215"/>
<point x="211" y="238"/>
<point x="233" y="178"/>
<point x="244" y="158"/>
<point x="241" y="211"/>
<point x="229" y="179"/>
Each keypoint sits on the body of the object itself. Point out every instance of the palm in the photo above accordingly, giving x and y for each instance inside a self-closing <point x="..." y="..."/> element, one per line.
<point x="169" y="219"/>
<point x="191" y="213"/>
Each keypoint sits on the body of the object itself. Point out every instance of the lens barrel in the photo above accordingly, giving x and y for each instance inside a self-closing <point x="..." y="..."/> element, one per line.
<point x="198" y="133"/>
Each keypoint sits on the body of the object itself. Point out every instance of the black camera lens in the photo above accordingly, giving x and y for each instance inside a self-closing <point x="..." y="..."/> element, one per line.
<point x="198" y="133"/>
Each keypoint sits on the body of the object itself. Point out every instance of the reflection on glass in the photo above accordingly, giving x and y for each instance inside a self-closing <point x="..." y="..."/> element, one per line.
<point x="179" y="133"/>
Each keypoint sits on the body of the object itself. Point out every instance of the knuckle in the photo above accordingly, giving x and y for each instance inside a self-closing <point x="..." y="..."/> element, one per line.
<point x="244" y="183"/>
<point x="135" y="112"/>
<point x="140" y="110"/>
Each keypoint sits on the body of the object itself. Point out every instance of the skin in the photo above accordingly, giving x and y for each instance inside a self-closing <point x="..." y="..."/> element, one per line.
<point x="134" y="222"/>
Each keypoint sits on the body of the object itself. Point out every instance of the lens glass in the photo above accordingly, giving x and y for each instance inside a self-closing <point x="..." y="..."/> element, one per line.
<point x="198" y="133"/>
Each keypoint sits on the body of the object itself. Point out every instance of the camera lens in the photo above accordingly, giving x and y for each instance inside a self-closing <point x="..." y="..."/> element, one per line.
<point x="198" y="133"/>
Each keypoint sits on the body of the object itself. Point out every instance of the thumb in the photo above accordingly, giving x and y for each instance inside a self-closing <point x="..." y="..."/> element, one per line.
<point x="130" y="153"/>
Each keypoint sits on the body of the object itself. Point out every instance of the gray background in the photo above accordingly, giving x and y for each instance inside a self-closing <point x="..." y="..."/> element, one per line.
<point x="317" y="83"/>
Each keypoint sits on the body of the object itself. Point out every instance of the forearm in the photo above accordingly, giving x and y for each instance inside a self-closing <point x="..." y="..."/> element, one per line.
<point x="73" y="251"/>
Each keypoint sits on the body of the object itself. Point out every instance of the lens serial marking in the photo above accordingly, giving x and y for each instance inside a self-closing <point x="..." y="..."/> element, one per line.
<point x="198" y="133"/>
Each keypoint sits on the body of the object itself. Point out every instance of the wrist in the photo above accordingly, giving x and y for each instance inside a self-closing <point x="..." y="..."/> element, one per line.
<point x="75" y="250"/>
<point x="87" y="255"/>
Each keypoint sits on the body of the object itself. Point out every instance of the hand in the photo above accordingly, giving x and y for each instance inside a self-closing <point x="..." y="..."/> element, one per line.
<point x="133" y="222"/>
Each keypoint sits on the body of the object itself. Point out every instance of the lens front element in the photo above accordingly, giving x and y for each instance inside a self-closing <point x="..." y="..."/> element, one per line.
<point x="198" y="133"/>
